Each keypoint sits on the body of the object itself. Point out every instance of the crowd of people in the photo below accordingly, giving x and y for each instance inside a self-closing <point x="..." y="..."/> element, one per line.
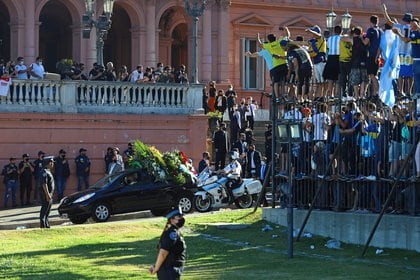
<point x="356" y="97"/>
<point x="72" y="70"/>
<point x="27" y="173"/>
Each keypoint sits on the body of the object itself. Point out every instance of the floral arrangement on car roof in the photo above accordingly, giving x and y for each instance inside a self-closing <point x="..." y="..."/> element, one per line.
<point x="169" y="166"/>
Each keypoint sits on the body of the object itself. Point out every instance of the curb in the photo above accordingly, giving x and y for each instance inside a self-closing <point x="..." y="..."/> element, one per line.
<point x="55" y="220"/>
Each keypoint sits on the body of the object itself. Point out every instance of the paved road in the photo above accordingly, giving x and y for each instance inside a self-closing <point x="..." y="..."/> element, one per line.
<point x="28" y="217"/>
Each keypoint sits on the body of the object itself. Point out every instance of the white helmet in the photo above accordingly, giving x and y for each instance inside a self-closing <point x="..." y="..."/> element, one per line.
<point x="233" y="155"/>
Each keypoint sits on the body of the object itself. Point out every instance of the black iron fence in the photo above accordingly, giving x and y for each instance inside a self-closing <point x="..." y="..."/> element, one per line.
<point x="354" y="153"/>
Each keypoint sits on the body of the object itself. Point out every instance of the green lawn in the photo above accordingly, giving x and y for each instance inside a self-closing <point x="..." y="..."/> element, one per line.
<point x="125" y="250"/>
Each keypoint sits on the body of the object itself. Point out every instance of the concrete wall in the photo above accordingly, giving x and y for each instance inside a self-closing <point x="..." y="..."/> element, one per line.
<point x="30" y="132"/>
<point x="402" y="232"/>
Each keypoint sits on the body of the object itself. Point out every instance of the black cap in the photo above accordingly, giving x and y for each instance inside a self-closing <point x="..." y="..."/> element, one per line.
<point x="174" y="213"/>
<point x="25" y="155"/>
<point x="62" y="151"/>
<point x="408" y="17"/>
<point x="12" y="158"/>
<point x="41" y="153"/>
<point x="49" y="159"/>
<point x="82" y="150"/>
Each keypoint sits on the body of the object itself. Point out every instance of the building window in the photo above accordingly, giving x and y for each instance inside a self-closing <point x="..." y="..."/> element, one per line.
<point x="253" y="73"/>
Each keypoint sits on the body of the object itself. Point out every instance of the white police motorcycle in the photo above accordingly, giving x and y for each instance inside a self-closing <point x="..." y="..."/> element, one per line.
<point x="214" y="193"/>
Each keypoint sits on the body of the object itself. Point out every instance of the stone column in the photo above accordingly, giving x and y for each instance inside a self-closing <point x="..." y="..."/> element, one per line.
<point x="17" y="38"/>
<point x="77" y="51"/>
<point x="135" y="46"/>
<point x="158" y="54"/>
<point x="89" y="46"/>
<point x="206" y="47"/>
<point x="223" y="39"/>
<point x="165" y="44"/>
<point x="29" y="43"/>
<point x="150" y="59"/>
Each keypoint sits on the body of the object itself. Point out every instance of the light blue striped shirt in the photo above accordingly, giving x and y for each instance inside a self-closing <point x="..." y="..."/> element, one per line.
<point x="333" y="45"/>
<point x="267" y="57"/>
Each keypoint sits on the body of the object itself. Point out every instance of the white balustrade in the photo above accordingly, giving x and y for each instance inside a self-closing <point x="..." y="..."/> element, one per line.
<point x="67" y="96"/>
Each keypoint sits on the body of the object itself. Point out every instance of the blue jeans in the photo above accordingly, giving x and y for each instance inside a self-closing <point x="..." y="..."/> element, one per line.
<point x="61" y="186"/>
<point x="416" y="70"/>
<point x="80" y="180"/>
<point x="11" y="187"/>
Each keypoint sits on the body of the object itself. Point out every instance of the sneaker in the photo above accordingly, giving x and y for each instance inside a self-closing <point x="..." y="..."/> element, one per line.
<point x="371" y="178"/>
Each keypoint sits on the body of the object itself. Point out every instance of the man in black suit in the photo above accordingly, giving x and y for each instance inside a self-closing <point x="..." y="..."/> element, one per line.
<point x="220" y="143"/>
<point x="253" y="162"/>
<point x="241" y="147"/>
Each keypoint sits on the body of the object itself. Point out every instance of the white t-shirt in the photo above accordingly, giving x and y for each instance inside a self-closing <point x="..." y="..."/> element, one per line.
<point x="4" y="86"/>
<point x="293" y="115"/>
<point x="22" y="67"/>
<point x="134" y="76"/>
<point x="404" y="48"/>
<point x="233" y="168"/>
<point x="38" y="70"/>
<point x="307" y="132"/>
<point x="321" y="122"/>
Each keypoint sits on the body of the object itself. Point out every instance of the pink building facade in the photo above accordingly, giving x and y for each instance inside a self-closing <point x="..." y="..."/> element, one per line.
<point x="150" y="31"/>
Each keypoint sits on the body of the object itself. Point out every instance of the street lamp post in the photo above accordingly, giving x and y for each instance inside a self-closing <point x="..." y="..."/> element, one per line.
<point x="102" y="25"/>
<point x="195" y="10"/>
<point x="289" y="132"/>
<point x="330" y="20"/>
<point x="346" y="21"/>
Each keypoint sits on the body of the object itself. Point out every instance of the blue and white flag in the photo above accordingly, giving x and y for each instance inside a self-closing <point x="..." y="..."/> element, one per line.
<point x="391" y="68"/>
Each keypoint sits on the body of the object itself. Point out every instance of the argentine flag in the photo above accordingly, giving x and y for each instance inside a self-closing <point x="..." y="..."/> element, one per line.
<point x="391" y="69"/>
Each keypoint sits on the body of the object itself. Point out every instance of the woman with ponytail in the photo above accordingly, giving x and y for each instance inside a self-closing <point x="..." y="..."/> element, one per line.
<point x="170" y="261"/>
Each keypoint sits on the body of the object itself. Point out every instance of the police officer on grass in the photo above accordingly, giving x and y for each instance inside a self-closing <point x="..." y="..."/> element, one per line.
<point x="47" y="191"/>
<point x="170" y="261"/>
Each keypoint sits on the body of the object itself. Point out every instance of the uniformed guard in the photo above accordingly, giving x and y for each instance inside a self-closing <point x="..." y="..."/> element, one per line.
<point x="170" y="261"/>
<point x="47" y="191"/>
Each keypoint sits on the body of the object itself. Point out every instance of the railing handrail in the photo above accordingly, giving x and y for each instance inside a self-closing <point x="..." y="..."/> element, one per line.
<point x="69" y="96"/>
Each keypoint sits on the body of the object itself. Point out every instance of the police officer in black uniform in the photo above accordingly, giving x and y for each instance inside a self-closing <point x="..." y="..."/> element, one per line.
<point x="47" y="191"/>
<point x="170" y="261"/>
<point x="38" y="167"/>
